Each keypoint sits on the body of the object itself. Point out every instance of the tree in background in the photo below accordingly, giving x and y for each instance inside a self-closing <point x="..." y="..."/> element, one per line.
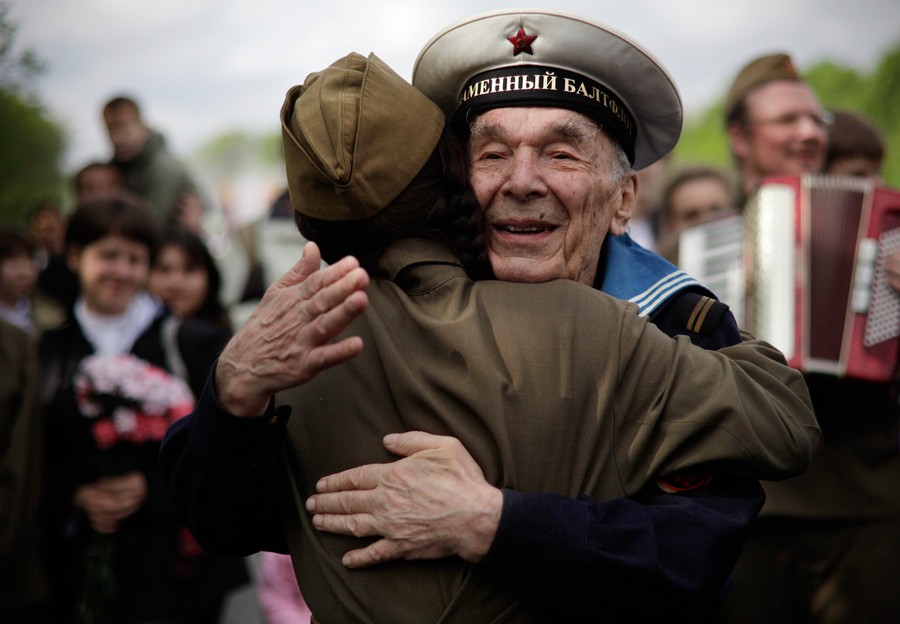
<point x="883" y="98"/>
<point x="875" y="95"/>
<point x="31" y="144"/>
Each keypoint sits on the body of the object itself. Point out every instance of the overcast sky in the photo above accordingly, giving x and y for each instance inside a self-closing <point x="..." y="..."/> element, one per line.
<point x="202" y="67"/>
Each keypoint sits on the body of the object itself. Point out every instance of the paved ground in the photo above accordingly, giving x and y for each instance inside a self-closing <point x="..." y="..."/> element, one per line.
<point x="242" y="607"/>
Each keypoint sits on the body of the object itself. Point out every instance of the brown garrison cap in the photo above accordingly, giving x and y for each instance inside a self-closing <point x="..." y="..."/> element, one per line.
<point x="535" y="57"/>
<point x="757" y="73"/>
<point x="355" y="135"/>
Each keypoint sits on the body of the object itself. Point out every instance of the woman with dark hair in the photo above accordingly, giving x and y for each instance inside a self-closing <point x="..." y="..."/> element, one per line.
<point x="185" y="276"/>
<point x="113" y="377"/>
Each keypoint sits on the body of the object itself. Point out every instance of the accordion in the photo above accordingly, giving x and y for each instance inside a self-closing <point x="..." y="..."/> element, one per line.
<point x="810" y="274"/>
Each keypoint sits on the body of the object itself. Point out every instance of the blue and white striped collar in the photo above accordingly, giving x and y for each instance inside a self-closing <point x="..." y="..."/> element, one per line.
<point x="640" y="276"/>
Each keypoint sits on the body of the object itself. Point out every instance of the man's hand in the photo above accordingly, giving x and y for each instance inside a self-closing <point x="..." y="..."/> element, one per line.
<point x="892" y="270"/>
<point x="287" y="339"/>
<point x="189" y="212"/>
<point x="433" y="503"/>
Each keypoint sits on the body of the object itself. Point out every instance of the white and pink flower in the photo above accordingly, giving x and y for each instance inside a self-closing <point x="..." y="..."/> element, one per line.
<point x="130" y="399"/>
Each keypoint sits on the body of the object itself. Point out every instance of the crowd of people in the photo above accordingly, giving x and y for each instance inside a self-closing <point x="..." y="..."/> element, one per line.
<point x="112" y="315"/>
<point x="409" y="435"/>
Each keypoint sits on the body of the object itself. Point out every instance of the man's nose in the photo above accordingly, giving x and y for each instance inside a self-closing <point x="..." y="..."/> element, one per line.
<point x="810" y="128"/>
<point x="525" y="177"/>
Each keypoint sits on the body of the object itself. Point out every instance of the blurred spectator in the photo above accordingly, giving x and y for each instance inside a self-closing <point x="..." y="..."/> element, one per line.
<point x="96" y="180"/>
<point x="278" y="593"/>
<point x="774" y="122"/>
<point x="22" y="587"/>
<point x="55" y="280"/>
<point x="185" y="276"/>
<point x="856" y="147"/>
<point x="47" y="227"/>
<point x="21" y="304"/>
<point x="694" y="195"/>
<point x="148" y="168"/>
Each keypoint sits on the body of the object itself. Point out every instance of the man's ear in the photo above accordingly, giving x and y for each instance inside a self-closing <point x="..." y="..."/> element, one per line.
<point x="625" y="208"/>
<point x="739" y="139"/>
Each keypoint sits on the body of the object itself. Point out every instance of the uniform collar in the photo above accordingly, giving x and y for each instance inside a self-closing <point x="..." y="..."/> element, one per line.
<point x="635" y="274"/>
<point x="409" y="253"/>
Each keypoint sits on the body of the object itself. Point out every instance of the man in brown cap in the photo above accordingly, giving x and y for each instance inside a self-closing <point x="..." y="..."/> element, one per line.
<point x="478" y="361"/>
<point x="826" y="547"/>
<point x="774" y="121"/>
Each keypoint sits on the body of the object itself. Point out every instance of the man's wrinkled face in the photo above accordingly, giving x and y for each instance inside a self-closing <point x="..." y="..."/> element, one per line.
<point x="542" y="178"/>
<point x="785" y="131"/>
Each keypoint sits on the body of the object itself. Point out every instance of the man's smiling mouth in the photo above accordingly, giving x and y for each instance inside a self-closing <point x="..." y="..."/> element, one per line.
<point x="523" y="229"/>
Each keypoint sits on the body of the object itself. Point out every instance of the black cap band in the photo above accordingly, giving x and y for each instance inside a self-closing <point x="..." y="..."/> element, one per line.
<point x="536" y="85"/>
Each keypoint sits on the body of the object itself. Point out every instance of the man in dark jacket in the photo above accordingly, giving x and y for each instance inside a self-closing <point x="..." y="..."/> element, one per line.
<point x="148" y="168"/>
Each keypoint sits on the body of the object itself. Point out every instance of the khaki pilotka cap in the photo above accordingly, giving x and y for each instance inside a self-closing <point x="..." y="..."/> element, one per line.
<point x="355" y="135"/>
<point x="757" y="73"/>
<point x="535" y="57"/>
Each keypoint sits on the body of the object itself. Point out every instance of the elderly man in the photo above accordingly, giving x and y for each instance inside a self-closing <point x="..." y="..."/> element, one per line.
<point x="624" y="559"/>
<point x="826" y="547"/>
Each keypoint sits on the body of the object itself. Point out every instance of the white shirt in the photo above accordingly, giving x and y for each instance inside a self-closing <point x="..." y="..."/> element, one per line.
<point x="116" y="334"/>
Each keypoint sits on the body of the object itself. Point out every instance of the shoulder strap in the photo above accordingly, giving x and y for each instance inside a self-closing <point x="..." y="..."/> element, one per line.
<point x="697" y="313"/>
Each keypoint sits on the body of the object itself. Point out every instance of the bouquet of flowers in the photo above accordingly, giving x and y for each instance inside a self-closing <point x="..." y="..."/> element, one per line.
<point x="131" y="402"/>
<point x="129" y="399"/>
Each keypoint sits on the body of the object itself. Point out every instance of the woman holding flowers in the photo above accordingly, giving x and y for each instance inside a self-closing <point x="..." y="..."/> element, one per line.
<point x="114" y="550"/>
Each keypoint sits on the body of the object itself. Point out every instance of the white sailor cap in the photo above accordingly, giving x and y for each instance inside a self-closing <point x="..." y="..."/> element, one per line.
<point x="535" y="57"/>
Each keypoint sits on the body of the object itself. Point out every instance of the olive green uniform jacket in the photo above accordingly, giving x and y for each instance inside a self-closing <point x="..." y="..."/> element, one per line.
<point x="21" y="581"/>
<point x="551" y="387"/>
<point x="159" y="177"/>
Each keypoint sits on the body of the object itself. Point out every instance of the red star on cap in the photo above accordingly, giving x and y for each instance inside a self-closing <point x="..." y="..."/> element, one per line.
<point x="522" y="42"/>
